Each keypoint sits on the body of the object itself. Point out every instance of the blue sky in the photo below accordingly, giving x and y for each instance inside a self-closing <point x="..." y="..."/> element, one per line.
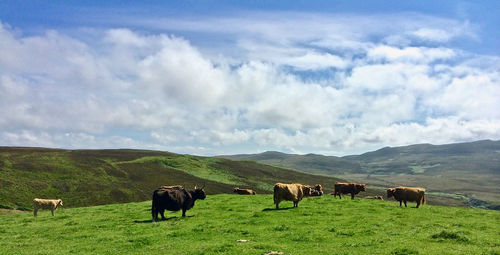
<point x="228" y="77"/>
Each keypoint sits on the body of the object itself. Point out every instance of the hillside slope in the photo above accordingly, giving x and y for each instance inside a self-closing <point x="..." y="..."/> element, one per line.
<point x="469" y="172"/>
<point x="96" y="177"/>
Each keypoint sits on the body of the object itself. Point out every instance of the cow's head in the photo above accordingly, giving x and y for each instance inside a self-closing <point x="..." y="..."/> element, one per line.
<point x="199" y="193"/>
<point x="306" y="190"/>
<point x="236" y="189"/>
<point x="318" y="187"/>
<point x="361" y="187"/>
<point x="390" y="192"/>
<point x="59" y="203"/>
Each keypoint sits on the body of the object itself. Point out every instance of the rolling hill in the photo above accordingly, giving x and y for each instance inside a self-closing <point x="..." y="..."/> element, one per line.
<point x="469" y="172"/>
<point x="97" y="177"/>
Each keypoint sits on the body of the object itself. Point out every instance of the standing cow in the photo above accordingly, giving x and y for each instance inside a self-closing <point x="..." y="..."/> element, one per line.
<point x="290" y="192"/>
<point x="51" y="204"/>
<point x="237" y="190"/>
<point x="174" y="198"/>
<point x="404" y="194"/>
<point x="346" y="188"/>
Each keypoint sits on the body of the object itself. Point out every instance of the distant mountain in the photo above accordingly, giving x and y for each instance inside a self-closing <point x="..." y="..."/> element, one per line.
<point x="480" y="156"/>
<point x="468" y="170"/>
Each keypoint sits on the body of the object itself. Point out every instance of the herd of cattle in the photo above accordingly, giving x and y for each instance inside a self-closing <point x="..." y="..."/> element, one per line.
<point x="175" y="198"/>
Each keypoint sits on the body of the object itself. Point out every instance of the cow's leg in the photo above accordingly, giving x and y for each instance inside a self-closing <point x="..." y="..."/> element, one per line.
<point x="400" y="203"/>
<point x="162" y="211"/>
<point x="52" y="212"/>
<point x="277" y="204"/>
<point x="352" y="196"/>
<point x="405" y="203"/>
<point x="183" y="212"/>
<point x="418" y="204"/>
<point x="153" y="212"/>
<point x="35" y="211"/>
<point x="340" y="196"/>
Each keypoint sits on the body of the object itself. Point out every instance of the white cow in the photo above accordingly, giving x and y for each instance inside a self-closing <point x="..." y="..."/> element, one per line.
<point x="51" y="204"/>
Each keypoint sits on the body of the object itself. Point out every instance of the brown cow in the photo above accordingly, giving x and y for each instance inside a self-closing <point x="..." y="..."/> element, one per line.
<point x="237" y="190"/>
<point x="346" y="188"/>
<point x="404" y="194"/>
<point x="290" y="192"/>
<point x="317" y="190"/>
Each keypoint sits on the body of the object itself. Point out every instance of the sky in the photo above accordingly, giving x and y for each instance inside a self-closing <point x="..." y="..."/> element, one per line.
<point x="231" y="77"/>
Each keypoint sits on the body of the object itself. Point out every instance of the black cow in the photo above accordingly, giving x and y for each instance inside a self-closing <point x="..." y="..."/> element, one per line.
<point x="174" y="198"/>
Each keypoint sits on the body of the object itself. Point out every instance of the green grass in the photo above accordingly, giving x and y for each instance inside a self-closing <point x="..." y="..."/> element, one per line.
<point x="320" y="225"/>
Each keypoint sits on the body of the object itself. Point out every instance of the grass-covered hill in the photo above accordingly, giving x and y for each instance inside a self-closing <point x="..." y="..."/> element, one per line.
<point x="468" y="173"/>
<point x="96" y="177"/>
<point x="320" y="225"/>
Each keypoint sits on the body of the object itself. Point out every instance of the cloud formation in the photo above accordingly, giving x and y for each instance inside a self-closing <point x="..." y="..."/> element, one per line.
<point x="334" y="88"/>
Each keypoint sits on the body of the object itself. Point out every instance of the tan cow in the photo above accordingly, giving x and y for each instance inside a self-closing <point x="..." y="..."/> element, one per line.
<point x="290" y="192"/>
<point x="51" y="204"/>
<point x="404" y="194"/>
<point x="346" y="188"/>
<point x="237" y="190"/>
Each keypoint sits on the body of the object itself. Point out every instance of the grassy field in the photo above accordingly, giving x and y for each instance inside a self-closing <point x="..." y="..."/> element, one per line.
<point x="320" y="225"/>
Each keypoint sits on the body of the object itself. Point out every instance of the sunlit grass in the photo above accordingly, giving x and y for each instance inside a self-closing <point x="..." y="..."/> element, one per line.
<point x="320" y="225"/>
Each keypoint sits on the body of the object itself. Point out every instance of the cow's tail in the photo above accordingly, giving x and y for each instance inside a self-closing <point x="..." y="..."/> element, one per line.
<point x="154" y="211"/>
<point x="423" y="199"/>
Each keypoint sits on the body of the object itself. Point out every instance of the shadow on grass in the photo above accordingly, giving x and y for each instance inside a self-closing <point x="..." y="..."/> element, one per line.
<point x="166" y="219"/>
<point x="274" y="209"/>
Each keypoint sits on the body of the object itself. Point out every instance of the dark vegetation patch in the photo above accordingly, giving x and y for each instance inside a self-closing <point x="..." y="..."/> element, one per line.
<point x="451" y="235"/>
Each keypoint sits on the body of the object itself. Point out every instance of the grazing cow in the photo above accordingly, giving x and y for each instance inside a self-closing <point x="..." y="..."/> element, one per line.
<point x="317" y="190"/>
<point x="375" y="197"/>
<point x="174" y="198"/>
<point x="290" y="192"/>
<point x="244" y="191"/>
<point x="51" y="204"/>
<point x="404" y="194"/>
<point x="346" y="188"/>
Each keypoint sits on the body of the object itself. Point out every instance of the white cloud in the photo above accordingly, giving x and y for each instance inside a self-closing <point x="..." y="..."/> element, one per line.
<point x="437" y="35"/>
<point x="329" y="88"/>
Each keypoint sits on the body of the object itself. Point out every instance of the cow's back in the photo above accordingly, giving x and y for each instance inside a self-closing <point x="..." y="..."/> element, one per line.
<point x="409" y="193"/>
<point x="43" y="203"/>
<point x="170" y="199"/>
<point x="291" y="192"/>
<point x="343" y="187"/>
